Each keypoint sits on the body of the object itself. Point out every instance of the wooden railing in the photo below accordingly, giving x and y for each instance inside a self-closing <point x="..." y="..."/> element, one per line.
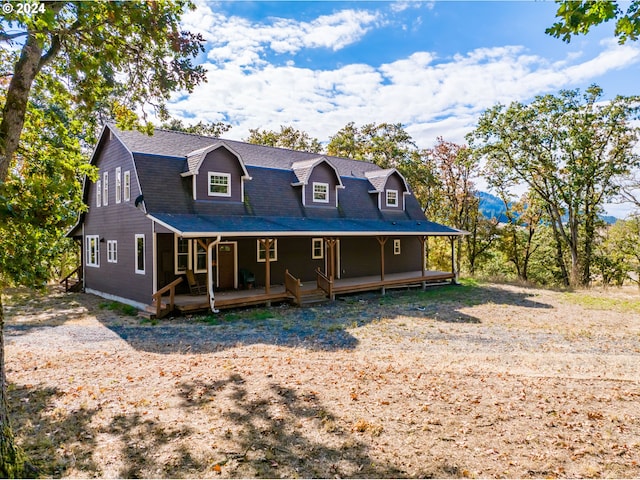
<point x="292" y="285"/>
<point x="171" y="288"/>
<point x="325" y="283"/>
<point x="65" y="281"/>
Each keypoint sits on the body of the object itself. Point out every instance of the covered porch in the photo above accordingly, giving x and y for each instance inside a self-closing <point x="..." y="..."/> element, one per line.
<point x="297" y="292"/>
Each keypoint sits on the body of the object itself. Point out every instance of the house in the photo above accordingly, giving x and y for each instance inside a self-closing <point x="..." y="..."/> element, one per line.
<point x="251" y="224"/>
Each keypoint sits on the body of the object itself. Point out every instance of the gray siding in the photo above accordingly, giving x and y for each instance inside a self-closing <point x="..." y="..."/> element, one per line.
<point x="394" y="182"/>
<point x="119" y="222"/>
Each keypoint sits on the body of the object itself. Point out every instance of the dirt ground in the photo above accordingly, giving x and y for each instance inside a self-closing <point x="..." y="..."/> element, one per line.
<point x="472" y="381"/>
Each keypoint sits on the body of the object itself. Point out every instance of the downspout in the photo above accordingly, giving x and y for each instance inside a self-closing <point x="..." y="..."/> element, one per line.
<point x="212" y="296"/>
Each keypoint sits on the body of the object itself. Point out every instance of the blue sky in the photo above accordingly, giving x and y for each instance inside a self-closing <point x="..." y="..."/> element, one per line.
<point x="432" y="66"/>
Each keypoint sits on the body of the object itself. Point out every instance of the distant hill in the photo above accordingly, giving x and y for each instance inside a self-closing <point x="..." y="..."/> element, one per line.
<point x="492" y="207"/>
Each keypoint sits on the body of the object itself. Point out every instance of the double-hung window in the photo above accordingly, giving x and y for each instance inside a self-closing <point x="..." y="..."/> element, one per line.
<point x="182" y="255"/>
<point x="392" y="198"/>
<point x="127" y="185"/>
<point x="93" y="250"/>
<point x="219" y="184"/>
<point x="320" y="192"/>
<point x="112" y="251"/>
<point x="273" y="251"/>
<point x="98" y="193"/>
<point x="317" y="248"/>
<point x="396" y="246"/>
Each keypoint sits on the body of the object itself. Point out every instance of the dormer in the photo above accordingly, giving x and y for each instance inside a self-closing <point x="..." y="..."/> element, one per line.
<point x="218" y="173"/>
<point x="390" y="187"/>
<point x="319" y="180"/>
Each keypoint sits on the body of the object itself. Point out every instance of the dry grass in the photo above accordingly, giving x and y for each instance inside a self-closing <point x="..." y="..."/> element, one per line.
<point x="473" y="381"/>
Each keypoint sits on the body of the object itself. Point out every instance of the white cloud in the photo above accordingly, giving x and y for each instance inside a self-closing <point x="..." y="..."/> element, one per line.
<point x="431" y="96"/>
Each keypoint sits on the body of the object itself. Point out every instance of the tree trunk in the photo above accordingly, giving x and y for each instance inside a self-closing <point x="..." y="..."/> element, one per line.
<point x="12" y="460"/>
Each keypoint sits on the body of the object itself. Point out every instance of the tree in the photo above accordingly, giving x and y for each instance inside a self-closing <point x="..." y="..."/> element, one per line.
<point x="577" y="17"/>
<point x="385" y="144"/>
<point x="71" y="65"/>
<point x="568" y="149"/>
<point x="287" y="137"/>
<point x="212" y="129"/>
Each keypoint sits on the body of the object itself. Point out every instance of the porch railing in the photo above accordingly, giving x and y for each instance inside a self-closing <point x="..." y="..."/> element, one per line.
<point x="292" y="285"/>
<point x="171" y="288"/>
<point x="325" y="283"/>
<point x="75" y="283"/>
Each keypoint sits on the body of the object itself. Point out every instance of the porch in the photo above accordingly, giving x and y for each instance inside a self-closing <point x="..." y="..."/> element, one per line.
<point x="297" y="292"/>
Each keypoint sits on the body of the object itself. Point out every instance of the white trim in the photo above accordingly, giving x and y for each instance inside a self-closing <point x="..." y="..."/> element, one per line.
<point x="112" y="253"/>
<point x="87" y="260"/>
<point x="313" y="248"/>
<point x="304" y="195"/>
<point x="326" y="192"/>
<point x="275" y="252"/>
<point x="118" y="184"/>
<point x="154" y="257"/>
<point x="196" y="245"/>
<point x="136" y="254"/>
<point x="397" y="246"/>
<point x="194" y="187"/>
<point x="98" y="185"/>
<point x="219" y="174"/>
<point x="108" y="296"/>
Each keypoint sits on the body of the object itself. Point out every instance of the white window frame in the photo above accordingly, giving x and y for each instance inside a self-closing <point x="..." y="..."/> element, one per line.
<point x="199" y="251"/>
<point x="391" y="194"/>
<point x="261" y="252"/>
<point x="317" y="244"/>
<point x="105" y="188"/>
<point x="397" y="248"/>
<point x="98" y="193"/>
<point x="138" y="237"/>
<point x="319" y="194"/>
<point x="127" y="185"/>
<point x="92" y="243"/>
<point x="219" y="194"/>
<point x="176" y="255"/>
<point x="112" y="251"/>
<point x="118" y="185"/>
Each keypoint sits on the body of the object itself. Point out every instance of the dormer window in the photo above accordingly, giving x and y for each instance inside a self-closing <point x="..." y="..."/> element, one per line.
<point x="320" y="192"/>
<point x="392" y="198"/>
<point x="219" y="184"/>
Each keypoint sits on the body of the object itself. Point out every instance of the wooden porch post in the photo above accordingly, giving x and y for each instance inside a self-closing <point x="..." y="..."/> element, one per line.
<point x="331" y="258"/>
<point x="423" y="240"/>
<point x="382" y="241"/>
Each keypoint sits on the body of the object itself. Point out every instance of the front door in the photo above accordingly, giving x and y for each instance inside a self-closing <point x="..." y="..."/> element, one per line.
<point x="226" y="265"/>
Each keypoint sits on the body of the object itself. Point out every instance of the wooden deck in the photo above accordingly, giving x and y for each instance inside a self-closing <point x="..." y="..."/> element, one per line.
<point x="257" y="296"/>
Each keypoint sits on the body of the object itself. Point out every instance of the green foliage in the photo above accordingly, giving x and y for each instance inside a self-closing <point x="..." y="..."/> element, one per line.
<point x="593" y="302"/>
<point x="216" y="129"/>
<point x="578" y="17"/>
<point x="121" y="308"/>
<point x="287" y="137"/>
<point x="568" y="150"/>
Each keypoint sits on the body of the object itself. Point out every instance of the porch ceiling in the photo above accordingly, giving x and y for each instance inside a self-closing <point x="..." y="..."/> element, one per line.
<point x="200" y="225"/>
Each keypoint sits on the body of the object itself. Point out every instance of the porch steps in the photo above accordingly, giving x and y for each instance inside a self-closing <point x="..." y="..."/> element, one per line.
<point x="313" y="297"/>
<point x="149" y="311"/>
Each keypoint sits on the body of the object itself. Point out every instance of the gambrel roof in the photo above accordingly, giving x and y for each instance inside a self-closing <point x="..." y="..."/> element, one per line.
<point x="167" y="162"/>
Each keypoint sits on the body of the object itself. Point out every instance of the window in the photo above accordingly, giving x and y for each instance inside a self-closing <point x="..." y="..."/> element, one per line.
<point x="392" y="198"/>
<point x="320" y="192"/>
<point x="118" y="185"/>
<point x="127" y="186"/>
<point x="93" y="251"/>
<point x="200" y="258"/>
<point x="105" y="188"/>
<point x="396" y="246"/>
<point x="273" y="251"/>
<point x="317" y="248"/>
<point x="182" y="255"/>
<point x="219" y="184"/>
<point x="112" y="251"/>
<point x="139" y="253"/>
<point x="98" y="193"/>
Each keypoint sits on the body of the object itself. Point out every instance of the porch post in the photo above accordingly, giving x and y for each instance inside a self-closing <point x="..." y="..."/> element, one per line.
<point x="423" y="240"/>
<point x="331" y="256"/>
<point x="382" y="241"/>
